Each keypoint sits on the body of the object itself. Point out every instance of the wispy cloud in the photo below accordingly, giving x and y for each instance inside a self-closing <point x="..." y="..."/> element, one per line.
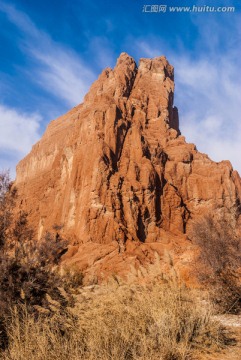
<point x="62" y="74"/>
<point x="19" y="132"/>
<point x="103" y="52"/>
<point x="209" y="96"/>
<point x="56" y="68"/>
<point x="208" y="90"/>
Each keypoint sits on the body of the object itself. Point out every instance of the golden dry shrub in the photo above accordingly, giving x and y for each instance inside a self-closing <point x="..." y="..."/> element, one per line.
<point x="117" y="322"/>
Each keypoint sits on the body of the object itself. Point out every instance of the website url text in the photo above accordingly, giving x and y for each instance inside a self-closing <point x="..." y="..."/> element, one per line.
<point x="188" y="9"/>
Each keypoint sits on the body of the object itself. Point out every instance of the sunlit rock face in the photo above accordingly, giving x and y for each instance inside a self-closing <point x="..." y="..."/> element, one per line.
<point x="116" y="172"/>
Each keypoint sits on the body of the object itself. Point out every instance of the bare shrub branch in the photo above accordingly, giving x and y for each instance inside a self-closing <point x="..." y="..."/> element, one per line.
<point x="219" y="259"/>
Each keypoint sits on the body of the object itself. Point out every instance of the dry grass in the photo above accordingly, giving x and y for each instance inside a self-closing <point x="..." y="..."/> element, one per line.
<point x="116" y="322"/>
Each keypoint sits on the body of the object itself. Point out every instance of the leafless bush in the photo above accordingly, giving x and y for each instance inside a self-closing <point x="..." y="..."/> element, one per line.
<point x="219" y="260"/>
<point x="7" y="203"/>
<point x="26" y="265"/>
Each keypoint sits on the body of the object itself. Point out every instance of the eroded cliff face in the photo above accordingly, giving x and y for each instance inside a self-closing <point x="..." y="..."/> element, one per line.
<point x="118" y="175"/>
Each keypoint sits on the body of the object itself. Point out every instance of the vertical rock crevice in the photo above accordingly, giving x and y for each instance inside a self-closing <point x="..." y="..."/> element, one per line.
<point x="121" y="153"/>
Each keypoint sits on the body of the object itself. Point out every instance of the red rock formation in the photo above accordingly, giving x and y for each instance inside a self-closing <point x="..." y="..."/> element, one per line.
<point x="116" y="172"/>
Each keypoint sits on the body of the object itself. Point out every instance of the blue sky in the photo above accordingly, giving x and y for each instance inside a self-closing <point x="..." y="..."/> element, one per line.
<point x="51" y="52"/>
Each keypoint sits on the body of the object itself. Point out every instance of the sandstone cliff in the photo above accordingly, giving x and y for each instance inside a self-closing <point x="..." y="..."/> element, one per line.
<point x="118" y="175"/>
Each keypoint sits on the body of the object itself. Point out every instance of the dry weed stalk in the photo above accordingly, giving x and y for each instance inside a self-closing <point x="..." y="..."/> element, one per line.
<point x="121" y="322"/>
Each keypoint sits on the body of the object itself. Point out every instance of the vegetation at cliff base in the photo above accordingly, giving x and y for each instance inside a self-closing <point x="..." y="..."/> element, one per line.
<point x="47" y="314"/>
<point x="116" y="322"/>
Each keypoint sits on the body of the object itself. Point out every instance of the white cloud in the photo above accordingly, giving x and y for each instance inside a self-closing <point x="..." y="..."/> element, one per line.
<point x="208" y="96"/>
<point x="18" y="132"/>
<point x="55" y="68"/>
<point x="58" y="69"/>
<point x="208" y="90"/>
<point x="62" y="74"/>
<point x="103" y="52"/>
